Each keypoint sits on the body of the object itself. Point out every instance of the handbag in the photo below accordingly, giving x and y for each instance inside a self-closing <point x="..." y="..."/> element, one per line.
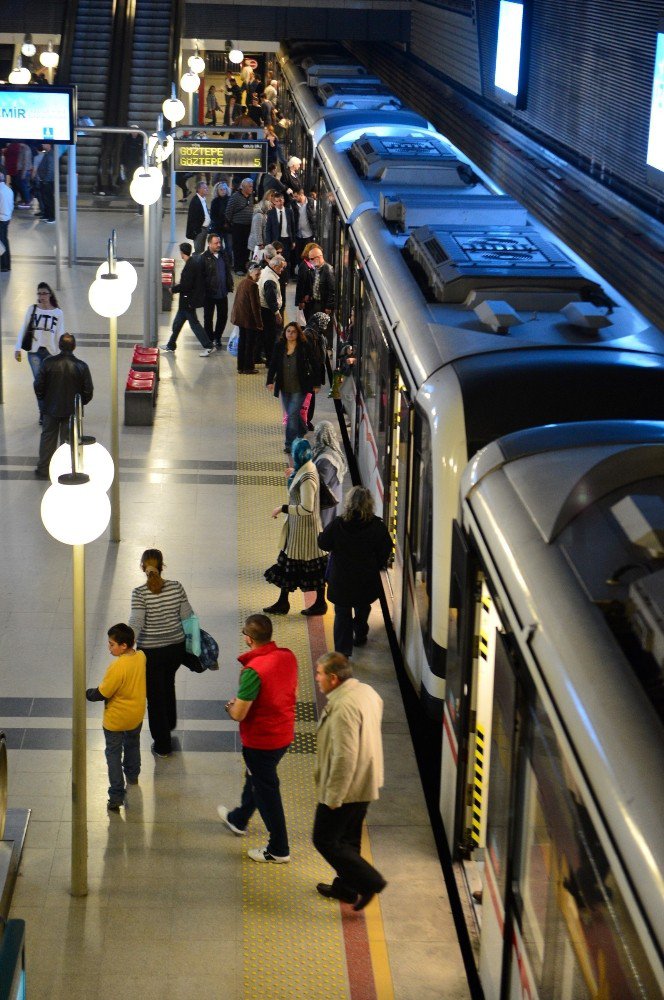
<point x="209" y="655"/>
<point x="192" y="635"/>
<point x="29" y="335"/>
<point x="327" y="498"/>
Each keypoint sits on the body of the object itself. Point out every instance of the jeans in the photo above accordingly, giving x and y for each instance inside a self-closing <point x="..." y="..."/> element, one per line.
<point x="348" y="623"/>
<point x="36" y="360"/>
<point x="162" y="665"/>
<point x="261" y="791"/>
<point x="292" y="404"/>
<point x="221" y="305"/>
<point x="337" y="835"/>
<point x="123" y="753"/>
<point x="186" y="315"/>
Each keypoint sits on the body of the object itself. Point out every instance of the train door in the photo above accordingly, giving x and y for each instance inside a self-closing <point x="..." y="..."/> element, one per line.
<point x="397" y="477"/>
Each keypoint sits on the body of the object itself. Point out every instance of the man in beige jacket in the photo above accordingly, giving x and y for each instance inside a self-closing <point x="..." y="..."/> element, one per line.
<point x="349" y="774"/>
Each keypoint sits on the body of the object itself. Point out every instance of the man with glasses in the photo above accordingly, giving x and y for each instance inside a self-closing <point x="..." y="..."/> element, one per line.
<point x="323" y="292"/>
<point x="265" y="708"/>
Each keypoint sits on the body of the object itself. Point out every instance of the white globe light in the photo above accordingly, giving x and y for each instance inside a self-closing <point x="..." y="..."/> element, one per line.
<point x="109" y="297"/>
<point x="174" y="110"/>
<point x="156" y="173"/>
<point x="49" y="58"/>
<point x="196" y="64"/>
<point x="28" y="48"/>
<point x="125" y="271"/>
<point x="236" y="55"/>
<point x="77" y="514"/>
<point x="167" y="147"/>
<point x="190" y="82"/>
<point x="20" y="76"/>
<point x="97" y="464"/>
<point x="145" y="189"/>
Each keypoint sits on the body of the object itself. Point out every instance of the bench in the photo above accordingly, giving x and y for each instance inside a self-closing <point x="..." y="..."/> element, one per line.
<point x="140" y="398"/>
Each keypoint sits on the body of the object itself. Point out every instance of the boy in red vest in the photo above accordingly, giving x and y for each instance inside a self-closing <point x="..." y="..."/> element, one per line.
<point x="265" y="708"/>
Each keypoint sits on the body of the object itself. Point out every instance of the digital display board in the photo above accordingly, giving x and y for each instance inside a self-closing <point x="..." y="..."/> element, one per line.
<point x="221" y="154"/>
<point x="42" y="114"/>
<point x="655" y="154"/>
<point x="511" y="53"/>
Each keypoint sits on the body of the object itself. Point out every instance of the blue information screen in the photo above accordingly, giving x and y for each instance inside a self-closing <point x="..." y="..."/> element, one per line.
<point x="44" y="114"/>
<point x="655" y="156"/>
<point x="508" y="48"/>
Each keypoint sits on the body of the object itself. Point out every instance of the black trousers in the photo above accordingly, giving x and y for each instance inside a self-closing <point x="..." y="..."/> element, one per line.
<point x="240" y="236"/>
<point x="270" y="331"/>
<point x="55" y="431"/>
<point x="209" y="306"/>
<point x="350" y="623"/>
<point x="337" y="835"/>
<point x="5" y="260"/>
<point x="161" y="667"/>
<point x="246" y="349"/>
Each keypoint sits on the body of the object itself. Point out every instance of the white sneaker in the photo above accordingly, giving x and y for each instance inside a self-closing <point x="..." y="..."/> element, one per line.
<point x="166" y="349"/>
<point x="262" y="854"/>
<point x="206" y="352"/>
<point x="223" y="816"/>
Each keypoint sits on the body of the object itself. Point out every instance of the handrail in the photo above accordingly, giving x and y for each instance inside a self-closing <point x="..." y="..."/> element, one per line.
<point x="67" y="36"/>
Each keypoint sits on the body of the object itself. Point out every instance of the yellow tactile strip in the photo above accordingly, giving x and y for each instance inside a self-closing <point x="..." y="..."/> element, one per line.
<point x="293" y="942"/>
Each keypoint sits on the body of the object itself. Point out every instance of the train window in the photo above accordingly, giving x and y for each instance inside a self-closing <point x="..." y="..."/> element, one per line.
<point x="375" y="380"/>
<point x="578" y="935"/>
<point x="421" y="521"/>
<point x="503" y="747"/>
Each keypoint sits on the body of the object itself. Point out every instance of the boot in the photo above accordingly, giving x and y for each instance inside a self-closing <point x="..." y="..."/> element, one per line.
<point x="319" y="607"/>
<point x="282" y="607"/>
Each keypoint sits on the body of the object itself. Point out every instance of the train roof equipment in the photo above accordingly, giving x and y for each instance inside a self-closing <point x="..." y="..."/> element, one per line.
<point x="358" y="96"/>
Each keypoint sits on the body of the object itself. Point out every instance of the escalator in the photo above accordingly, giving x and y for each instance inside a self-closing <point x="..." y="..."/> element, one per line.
<point x="152" y="61"/>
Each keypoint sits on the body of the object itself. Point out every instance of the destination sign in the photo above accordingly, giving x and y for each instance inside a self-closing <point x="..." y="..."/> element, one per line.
<point x="221" y="154"/>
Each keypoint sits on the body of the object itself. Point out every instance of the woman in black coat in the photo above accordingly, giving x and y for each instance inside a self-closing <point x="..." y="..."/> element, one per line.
<point x="360" y="546"/>
<point x="292" y="374"/>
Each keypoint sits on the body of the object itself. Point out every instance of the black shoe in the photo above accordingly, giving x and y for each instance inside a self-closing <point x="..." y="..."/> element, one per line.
<point x="315" y="609"/>
<point x="365" y="899"/>
<point x="360" y="641"/>
<point x="331" y="893"/>
<point x="114" y="806"/>
<point x="160" y="754"/>
<point x="131" y="781"/>
<point x="277" y="609"/>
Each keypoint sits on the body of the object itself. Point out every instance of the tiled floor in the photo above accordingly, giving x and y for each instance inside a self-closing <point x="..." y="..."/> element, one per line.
<point x="172" y="910"/>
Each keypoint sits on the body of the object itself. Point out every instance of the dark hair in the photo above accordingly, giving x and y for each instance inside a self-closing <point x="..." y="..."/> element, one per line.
<point x="54" y="301"/>
<point x="122" y="634"/>
<point x="258" y="628"/>
<point x="185" y="248"/>
<point x="67" y="342"/>
<point x="152" y="563"/>
<point x="301" y="339"/>
<point x="337" y="664"/>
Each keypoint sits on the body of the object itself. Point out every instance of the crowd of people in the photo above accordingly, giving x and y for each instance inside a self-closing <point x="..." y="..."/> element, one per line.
<point x="27" y="175"/>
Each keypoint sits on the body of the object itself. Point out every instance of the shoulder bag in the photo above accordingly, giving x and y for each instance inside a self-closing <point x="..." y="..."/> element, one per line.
<point x="327" y="497"/>
<point x="29" y="335"/>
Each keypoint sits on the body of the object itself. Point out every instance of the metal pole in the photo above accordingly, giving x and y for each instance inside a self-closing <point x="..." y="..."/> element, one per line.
<point x="79" y="827"/>
<point x="156" y="277"/>
<point x="115" y="433"/>
<point x="56" y="193"/>
<point x="72" y="196"/>
<point x="147" y="255"/>
<point x="173" y="196"/>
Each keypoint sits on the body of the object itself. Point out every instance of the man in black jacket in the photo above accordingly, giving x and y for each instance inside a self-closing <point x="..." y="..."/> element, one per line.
<point x="323" y="291"/>
<point x="218" y="283"/>
<point x="192" y="295"/>
<point x="59" y="381"/>
<point x="279" y="227"/>
<point x="198" y="217"/>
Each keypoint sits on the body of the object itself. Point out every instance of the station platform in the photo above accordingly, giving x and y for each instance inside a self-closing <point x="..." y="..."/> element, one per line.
<point x="175" y="907"/>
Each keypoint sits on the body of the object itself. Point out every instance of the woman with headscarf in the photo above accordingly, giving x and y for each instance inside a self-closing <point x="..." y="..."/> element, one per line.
<point x="360" y="545"/>
<point x="314" y="331"/>
<point x="158" y="608"/>
<point x="257" y="241"/>
<point x="300" y="564"/>
<point x="331" y="464"/>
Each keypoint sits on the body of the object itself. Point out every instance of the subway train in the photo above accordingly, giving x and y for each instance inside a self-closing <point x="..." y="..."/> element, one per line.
<point x="504" y="407"/>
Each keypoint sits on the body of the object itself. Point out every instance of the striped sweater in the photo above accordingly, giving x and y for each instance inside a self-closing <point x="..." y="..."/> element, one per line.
<point x="303" y="524"/>
<point x="157" y="618"/>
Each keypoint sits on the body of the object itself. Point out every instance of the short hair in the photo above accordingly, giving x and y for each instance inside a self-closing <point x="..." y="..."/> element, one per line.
<point x="258" y="628"/>
<point x="277" y="261"/>
<point x="122" y="634"/>
<point x="67" y="342"/>
<point x="246" y="180"/>
<point x="272" y="167"/>
<point x="337" y="664"/>
<point x="185" y="248"/>
<point x="200" y="184"/>
<point x="358" y="504"/>
<point x="212" y="236"/>
<point x="278" y="194"/>
<point x="293" y="160"/>
<point x="269" y="253"/>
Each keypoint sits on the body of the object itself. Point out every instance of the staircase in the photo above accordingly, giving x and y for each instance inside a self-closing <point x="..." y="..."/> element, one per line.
<point x="90" y="70"/>
<point x="150" y="62"/>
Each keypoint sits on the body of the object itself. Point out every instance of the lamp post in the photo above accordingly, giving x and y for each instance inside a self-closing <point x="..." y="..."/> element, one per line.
<point x="110" y="296"/>
<point x="190" y="82"/>
<point x="174" y="111"/>
<point x="75" y="511"/>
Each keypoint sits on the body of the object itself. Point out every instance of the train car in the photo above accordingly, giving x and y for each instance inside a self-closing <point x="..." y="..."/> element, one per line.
<point x="553" y="745"/>
<point x="467" y="321"/>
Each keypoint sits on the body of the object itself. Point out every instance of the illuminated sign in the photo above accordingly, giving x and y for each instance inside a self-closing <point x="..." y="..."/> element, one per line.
<point x="510" y="78"/>
<point x="42" y="114"/>
<point x="221" y="154"/>
<point x="655" y="154"/>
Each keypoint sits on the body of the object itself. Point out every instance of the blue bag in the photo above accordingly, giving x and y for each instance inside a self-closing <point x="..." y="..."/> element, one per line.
<point x="234" y="341"/>
<point x="209" y="654"/>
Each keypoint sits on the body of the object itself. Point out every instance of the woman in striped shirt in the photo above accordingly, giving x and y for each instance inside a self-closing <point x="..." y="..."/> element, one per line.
<point x="158" y="608"/>
<point x="301" y="564"/>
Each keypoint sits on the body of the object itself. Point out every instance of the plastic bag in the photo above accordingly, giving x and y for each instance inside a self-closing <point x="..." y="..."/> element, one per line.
<point x="234" y="341"/>
<point x="192" y="634"/>
<point x="300" y="317"/>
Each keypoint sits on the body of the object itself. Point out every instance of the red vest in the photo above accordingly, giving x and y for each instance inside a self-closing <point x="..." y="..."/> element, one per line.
<point x="270" y="722"/>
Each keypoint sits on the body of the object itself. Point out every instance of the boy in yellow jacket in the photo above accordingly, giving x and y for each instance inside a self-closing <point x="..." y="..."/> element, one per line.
<point x="123" y="691"/>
